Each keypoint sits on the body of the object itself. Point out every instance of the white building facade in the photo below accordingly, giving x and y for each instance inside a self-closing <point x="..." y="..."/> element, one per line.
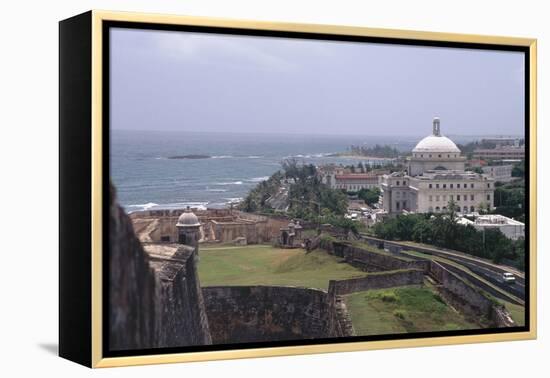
<point x="501" y="173"/>
<point x="355" y="182"/>
<point x="338" y="178"/>
<point x="511" y="228"/>
<point x="436" y="177"/>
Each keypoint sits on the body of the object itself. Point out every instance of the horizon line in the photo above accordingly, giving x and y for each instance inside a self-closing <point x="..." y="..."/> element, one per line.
<point x="320" y="134"/>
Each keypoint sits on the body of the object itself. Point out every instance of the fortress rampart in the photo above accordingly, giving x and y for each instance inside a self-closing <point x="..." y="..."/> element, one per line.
<point x="472" y="296"/>
<point x="217" y="225"/>
<point x="381" y="280"/>
<point x="155" y="298"/>
<point x="260" y="313"/>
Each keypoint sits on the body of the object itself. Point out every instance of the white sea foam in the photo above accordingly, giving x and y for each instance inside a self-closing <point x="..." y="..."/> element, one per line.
<point x="215" y="190"/>
<point x="233" y="200"/>
<point x="309" y="156"/>
<point x="258" y="179"/>
<point x="144" y="206"/>
<point x="230" y="183"/>
<point x="222" y="157"/>
<point x="166" y="206"/>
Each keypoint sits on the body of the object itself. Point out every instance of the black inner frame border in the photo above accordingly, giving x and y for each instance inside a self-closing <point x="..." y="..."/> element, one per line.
<point x="108" y="25"/>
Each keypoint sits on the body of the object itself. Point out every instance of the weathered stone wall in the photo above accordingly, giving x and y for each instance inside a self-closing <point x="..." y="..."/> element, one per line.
<point x="460" y="257"/>
<point x="229" y="231"/>
<point x="514" y="294"/>
<point x="151" y="303"/>
<point x="239" y="314"/>
<point x="374" y="261"/>
<point x="518" y="290"/>
<point x="470" y="300"/>
<point x="133" y="317"/>
<point x="270" y="226"/>
<point x="222" y="225"/>
<point x="183" y="320"/>
<point x="482" y="284"/>
<point x="381" y="280"/>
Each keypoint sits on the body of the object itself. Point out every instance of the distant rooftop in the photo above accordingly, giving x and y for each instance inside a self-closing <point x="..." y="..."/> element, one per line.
<point x="356" y="176"/>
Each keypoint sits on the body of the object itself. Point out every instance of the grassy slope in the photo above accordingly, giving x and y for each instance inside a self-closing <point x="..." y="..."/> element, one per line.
<point x="402" y="310"/>
<point x="516" y="311"/>
<point x="266" y="265"/>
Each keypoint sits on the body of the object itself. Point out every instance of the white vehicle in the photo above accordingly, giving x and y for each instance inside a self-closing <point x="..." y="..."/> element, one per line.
<point x="508" y="278"/>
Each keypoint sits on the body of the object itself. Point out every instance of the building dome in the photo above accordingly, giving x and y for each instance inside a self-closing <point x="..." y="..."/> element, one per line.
<point x="188" y="219"/>
<point x="436" y="144"/>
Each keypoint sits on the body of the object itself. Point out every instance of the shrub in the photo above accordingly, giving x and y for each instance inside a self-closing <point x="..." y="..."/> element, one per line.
<point x="388" y="297"/>
<point x="400" y="314"/>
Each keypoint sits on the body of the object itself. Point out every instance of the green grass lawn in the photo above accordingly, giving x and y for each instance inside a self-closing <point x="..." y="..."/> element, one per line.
<point x="266" y="265"/>
<point x="517" y="312"/>
<point x="402" y="310"/>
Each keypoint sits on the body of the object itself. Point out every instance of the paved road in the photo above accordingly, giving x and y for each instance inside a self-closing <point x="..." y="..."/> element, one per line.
<point x="477" y="260"/>
<point x="488" y="270"/>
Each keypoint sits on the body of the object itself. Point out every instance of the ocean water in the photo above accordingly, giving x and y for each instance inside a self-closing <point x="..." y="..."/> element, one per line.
<point x="145" y="177"/>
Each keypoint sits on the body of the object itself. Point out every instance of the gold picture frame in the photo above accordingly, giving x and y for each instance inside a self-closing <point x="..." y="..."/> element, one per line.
<point x="90" y="328"/>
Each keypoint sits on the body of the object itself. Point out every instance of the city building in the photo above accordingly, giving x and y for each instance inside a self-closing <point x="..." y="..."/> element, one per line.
<point x="353" y="182"/>
<point x="436" y="177"/>
<point x="511" y="228"/>
<point x="500" y="142"/>
<point x="500" y="173"/>
<point x="476" y="163"/>
<point x="340" y="178"/>
<point x="500" y="153"/>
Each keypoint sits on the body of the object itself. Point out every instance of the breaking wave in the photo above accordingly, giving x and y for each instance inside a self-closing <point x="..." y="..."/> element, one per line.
<point x="258" y="179"/>
<point x="230" y="183"/>
<point x="144" y="206"/>
<point x="166" y="206"/>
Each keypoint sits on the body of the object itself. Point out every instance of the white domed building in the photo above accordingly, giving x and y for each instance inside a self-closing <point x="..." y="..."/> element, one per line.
<point x="435" y="177"/>
<point x="435" y="152"/>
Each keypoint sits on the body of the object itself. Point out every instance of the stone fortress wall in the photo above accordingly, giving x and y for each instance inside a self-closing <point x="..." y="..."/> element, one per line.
<point x="488" y="271"/>
<point x="381" y="280"/>
<point x="274" y="313"/>
<point x="217" y="225"/>
<point x="392" y="270"/>
<point x="373" y="261"/>
<point x="155" y="298"/>
<point x="469" y="299"/>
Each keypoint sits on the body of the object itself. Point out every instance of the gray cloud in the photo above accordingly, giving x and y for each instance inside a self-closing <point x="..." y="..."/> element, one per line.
<point x="205" y="82"/>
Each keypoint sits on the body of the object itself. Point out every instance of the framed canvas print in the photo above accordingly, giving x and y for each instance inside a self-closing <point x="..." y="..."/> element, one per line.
<point x="235" y="189"/>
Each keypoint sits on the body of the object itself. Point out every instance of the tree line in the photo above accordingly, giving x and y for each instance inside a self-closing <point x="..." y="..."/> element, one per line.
<point x="377" y="150"/>
<point x="442" y="230"/>
<point x="308" y="198"/>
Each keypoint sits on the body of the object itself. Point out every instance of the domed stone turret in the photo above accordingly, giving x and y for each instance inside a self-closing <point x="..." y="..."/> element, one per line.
<point x="188" y="219"/>
<point x="188" y="227"/>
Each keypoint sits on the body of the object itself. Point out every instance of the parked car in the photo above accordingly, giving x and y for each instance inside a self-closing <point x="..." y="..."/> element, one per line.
<point x="508" y="278"/>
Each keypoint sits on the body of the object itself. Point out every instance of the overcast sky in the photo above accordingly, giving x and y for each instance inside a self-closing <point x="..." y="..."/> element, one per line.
<point x="164" y="80"/>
